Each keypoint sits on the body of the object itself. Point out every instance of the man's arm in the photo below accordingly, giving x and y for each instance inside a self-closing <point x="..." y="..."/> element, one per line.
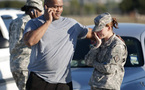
<point x="32" y="37"/>
<point x="90" y="34"/>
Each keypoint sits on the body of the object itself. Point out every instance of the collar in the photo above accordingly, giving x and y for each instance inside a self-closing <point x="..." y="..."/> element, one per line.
<point x="109" y="41"/>
<point x="54" y="21"/>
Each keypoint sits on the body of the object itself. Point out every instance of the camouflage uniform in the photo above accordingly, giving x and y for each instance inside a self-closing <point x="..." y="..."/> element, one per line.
<point x="108" y="61"/>
<point x="19" y="52"/>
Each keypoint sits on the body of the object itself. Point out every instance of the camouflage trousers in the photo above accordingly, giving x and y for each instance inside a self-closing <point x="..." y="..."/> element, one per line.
<point x="20" y="77"/>
<point x="94" y="88"/>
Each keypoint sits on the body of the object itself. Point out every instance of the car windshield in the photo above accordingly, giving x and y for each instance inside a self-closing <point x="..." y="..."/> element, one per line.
<point x="7" y="20"/>
<point x="134" y="58"/>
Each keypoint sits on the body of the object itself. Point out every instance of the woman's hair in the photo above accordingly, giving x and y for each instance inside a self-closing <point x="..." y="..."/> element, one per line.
<point x="114" y="23"/>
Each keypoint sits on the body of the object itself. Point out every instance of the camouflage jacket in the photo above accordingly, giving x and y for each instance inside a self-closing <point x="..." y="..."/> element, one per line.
<point x="108" y="61"/>
<point x="19" y="52"/>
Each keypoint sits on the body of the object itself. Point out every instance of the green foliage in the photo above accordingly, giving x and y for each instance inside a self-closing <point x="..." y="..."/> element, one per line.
<point x="112" y="6"/>
<point x="126" y="5"/>
<point x="74" y="7"/>
<point x="141" y="9"/>
<point x="66" y="10"/>
<point x="11" y="4"/>
<point x="100" y="8"/>
<point x="132" y="5"/>
<point x="89" y="9"/>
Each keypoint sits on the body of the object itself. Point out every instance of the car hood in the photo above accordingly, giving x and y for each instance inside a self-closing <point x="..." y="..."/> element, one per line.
<point x="133" y="73"/>
<point x="81" y="76"/>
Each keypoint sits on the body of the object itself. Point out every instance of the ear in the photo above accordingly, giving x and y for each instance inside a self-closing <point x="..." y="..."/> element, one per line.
<point x="109" y="28"/>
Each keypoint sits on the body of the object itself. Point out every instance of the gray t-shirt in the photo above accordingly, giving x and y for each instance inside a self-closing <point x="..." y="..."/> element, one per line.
<point x="51" y="56"/>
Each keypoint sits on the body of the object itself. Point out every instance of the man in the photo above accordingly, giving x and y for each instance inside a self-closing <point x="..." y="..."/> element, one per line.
<point x="19" y="52"/>
<point x="53" y="40"/>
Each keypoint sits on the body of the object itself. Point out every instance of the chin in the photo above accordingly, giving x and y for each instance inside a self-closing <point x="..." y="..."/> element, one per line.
<point x="56" y="18"/>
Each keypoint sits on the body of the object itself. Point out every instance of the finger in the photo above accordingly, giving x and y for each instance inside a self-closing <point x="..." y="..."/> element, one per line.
<point x="35" y="13"/>
<point x="96" y="36"/>
<point x="45" y="7"/>
<point x="54" y="9"/>
<point x="98" y="40"/>
<point x="50" y="11"/>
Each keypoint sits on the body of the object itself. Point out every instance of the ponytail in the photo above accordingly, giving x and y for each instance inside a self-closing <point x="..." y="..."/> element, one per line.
<point x="114" y="22"/>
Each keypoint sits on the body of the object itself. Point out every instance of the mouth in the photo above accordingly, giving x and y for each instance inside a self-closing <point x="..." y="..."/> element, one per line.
<point x="57" y="14"/>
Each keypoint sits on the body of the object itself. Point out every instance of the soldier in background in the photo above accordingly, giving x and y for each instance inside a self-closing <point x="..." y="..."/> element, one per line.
<point x="19" y="52"/>
<point x="109" y="59"/>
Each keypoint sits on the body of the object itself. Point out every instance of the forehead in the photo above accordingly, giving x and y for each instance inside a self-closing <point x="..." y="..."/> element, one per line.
<point x="54" y="2"/>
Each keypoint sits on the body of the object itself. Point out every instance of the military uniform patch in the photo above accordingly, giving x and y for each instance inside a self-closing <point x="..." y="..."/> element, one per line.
<point x="116" y="58"/>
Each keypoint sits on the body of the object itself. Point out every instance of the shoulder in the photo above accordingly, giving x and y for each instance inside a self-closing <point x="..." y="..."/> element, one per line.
<point x="26" y="18"/>
<point x="37" y="21"/>
<point x="118" y="41"/>
<point x="20" y="20"/>
<point x="69" y="19"/>
<point x="16" y="23"/>
<point x="118" y="44"/>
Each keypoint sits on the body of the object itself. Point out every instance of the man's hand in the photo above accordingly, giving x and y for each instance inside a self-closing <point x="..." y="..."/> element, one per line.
<point x="48" y="14"/>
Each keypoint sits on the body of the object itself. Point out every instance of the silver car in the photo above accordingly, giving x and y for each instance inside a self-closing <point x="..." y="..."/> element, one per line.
<point x="134" y="79"/>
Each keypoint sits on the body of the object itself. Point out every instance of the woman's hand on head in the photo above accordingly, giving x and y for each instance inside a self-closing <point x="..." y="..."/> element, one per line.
<point x="97" y="39"/>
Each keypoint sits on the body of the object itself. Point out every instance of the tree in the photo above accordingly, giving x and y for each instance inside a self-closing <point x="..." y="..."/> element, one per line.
<point x="141" y="9"/>
<point x="128" y="6"/>
<point x="11" y="4"/>
<point x="74" y="7"/>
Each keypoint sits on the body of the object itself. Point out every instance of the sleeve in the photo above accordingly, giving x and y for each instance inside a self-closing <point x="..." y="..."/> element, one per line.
<point x="15" y="32"/>
<point x="30" y="25"/>
<point x="116" y="58"/>
<point x="90" y="57"/>
<point x="81" y="29"/>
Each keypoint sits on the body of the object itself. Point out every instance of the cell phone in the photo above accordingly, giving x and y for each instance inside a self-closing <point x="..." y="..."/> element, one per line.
<point x="33" y="11"/>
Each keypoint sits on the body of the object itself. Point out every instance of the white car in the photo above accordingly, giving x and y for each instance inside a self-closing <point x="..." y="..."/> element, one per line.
<point x="6" y="80"/>
<point x="134" y="79"/>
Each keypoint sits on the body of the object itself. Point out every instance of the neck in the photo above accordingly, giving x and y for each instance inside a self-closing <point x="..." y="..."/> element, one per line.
<point x="109" y="36"/>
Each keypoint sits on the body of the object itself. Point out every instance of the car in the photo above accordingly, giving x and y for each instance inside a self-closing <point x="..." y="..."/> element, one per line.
<point x="6" y="80"/>
<point x="134" y="79"/>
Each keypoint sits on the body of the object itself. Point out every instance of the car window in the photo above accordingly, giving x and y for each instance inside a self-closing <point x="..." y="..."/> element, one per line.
<point x="82" y="48"/>
<point x="134" y="58"/>
<point x="19" y="15"/>
<point x="135" y="55"/>
<point x="7" y="20"/>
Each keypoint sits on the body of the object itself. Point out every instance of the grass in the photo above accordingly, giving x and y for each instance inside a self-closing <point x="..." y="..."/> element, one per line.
<point x="88" y="20"/>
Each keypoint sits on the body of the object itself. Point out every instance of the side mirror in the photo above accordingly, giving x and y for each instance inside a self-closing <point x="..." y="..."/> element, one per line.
<point x="4" y="43"/>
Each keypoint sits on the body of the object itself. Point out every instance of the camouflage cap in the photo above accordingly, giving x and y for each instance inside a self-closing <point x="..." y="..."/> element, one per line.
<point x="33" y="3"/>
<point x="101" y="21"/>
